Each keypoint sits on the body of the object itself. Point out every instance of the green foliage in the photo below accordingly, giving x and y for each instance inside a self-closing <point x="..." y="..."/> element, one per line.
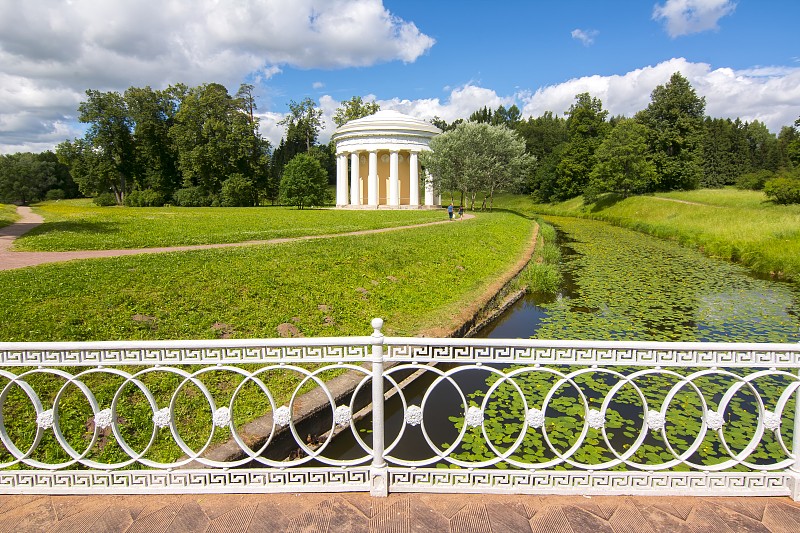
<point x="55" y="194"/>
<point x="726" y="152"/>
<point x="192" y="197"/>
<point x="303" y="123"/>
<point x="622" y="163"/>
<point x="476" y="157"/>
<point x="105" y="199"/>
<point x="785" y="189"/>
<point x="146" y="198"/>
<point x="674" y="119"/>
<point x="26" y="178"/>
<point x="238" y="191"/>
<point x="8" y="215"/>
<point x="353" y="109"/>
<point x="754" y="181"/>
<point x="304" y="182"/>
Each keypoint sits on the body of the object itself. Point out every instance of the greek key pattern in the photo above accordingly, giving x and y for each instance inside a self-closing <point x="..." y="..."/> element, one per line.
<point x="183" y="353"/>
<point x="587" y="353"/>
<point x="185" y="481"/>
<point x="577" y="482"/>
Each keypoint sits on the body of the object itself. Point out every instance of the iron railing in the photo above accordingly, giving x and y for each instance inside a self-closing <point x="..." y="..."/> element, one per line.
<point x="503" y="416"/>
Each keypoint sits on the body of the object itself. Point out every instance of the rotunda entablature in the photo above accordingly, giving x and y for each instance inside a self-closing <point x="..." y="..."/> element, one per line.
<point x="384" y="130"/>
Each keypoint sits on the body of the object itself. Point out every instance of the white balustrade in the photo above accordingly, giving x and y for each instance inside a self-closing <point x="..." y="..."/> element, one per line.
<point x="572" y="417"/>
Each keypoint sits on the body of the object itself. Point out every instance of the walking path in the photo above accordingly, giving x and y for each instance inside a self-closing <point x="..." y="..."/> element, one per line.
<point x="399" y="513"/>
<point x="10" y="260"/>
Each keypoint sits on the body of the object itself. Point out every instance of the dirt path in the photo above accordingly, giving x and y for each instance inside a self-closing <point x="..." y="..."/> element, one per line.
<point x="10" y="260"/>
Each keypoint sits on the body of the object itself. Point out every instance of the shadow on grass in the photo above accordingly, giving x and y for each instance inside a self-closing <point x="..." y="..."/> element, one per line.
<point x="606" y="201"/>
<point x="84" y="228"/>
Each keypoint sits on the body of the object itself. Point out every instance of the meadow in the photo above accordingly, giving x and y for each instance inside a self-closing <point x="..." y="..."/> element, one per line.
<point x="740" y="226"/>
<point x="80" y="225"/>
<point x="8" y="214"/>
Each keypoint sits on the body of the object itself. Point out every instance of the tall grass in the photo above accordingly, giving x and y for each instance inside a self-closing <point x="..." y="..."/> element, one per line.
<point x="8" y="214"/>
<point x="730" y="224"/>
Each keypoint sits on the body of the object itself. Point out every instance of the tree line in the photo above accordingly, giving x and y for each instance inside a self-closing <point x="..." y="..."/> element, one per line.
<point x="670" y="145"/>
<point x="201" y="146"/>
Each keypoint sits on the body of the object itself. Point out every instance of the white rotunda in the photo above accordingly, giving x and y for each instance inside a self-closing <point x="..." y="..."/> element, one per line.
<point x="383" y="155"/>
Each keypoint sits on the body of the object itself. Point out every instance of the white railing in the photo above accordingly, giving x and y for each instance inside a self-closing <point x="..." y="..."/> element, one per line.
<point x="540" y="417"/>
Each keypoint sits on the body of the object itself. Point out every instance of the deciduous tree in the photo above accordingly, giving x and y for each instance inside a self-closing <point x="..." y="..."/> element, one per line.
<point x="353" y="109"/>
<point x="304" y="182"/>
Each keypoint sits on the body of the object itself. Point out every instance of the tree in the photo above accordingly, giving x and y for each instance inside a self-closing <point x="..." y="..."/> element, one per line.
<point x="303" y="122"/>
<point x="110" y="139"/>
<point x="674" y="119"/>
<point x="476" y="157"/>
<point x="586" y="126"/>
<point x="622" y="163"/>
<point x="543" y="136"/>
<point x="304" y="182"/>
<point x="25" y="178"/>
<point x="353" y="109"/>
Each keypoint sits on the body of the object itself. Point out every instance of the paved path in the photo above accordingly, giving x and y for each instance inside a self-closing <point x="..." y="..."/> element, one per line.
<point x="399" y="513"/>
<point x="10" y="260"/>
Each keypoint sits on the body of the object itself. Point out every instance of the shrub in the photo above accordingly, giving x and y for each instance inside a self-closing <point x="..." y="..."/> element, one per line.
<point x="237" y="191"/>
<point x="55" y="194"/>
<point x="304" y="182"/>
<point x="105" y="199"/>
<point x="754" y="181"/>
<point x="191" y="197"/>
<point x="145" y="198"/>
<point x="783" y="189"/>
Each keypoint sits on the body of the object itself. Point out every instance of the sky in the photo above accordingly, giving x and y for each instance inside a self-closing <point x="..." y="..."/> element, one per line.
<point x="425" y="58"/>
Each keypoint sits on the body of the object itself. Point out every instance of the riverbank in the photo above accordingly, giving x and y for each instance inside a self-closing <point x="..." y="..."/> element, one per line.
<point x="738" y="226"/>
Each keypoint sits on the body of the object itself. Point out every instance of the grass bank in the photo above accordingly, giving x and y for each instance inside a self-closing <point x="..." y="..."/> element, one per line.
<point x="80" y="225"/>
<point x="416" y="280"/>
<point x="740" y="226"/>
<point x="8" y="214"/>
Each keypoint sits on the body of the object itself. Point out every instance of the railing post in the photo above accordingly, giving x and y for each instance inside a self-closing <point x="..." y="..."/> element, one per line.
<point x="378" y="471"/>
<point x="794" y="478"/>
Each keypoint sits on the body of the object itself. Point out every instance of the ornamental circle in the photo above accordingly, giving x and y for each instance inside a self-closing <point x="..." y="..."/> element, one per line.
<point x="45" y="419"/>
<point x="162" y="417"/>
<point x="103" y="419"/>
<point x="474" y="417"/>
<point x="414" y="415"/>
<point x="282" y="416"/>
<point x="714" y="420"/>
<point x="535" y="418"/>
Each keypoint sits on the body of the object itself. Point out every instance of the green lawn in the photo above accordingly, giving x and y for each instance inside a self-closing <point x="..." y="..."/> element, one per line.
<point x="730" y="224"/>
<point x="415" y="279"/>
<point x="8" y="214"/>
<point x="80" y="225"/>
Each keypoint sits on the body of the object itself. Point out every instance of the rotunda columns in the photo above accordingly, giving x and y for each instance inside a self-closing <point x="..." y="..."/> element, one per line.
<point x="341" y="179"/>
<point x="394" y="178"/>
<point x="413" y="173"/>
<point x="355" y="182"/>
<point x="428" y="191"/>
<point x="372" y="180"/>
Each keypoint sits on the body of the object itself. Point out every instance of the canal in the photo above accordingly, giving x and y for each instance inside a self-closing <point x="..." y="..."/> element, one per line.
<point x="617" y="285"/>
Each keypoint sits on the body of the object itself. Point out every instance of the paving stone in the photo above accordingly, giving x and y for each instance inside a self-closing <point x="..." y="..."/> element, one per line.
<point x="505" y="517"/>
<point x="551" y="519"/>
<point x="583" y="520"/>
<point x="472" y="518"/>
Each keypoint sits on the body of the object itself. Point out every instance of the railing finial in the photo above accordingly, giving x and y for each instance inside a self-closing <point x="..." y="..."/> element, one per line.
<point x="377" y="324"/>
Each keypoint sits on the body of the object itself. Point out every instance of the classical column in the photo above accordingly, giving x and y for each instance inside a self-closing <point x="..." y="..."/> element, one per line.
<point x="428" y="191"/>
<point x="355" y="185"/>
<point x="394" y="178"/>
<point x="341" y="179"/>
<point x="372" y="180"/>
<point x="413" y="173"/>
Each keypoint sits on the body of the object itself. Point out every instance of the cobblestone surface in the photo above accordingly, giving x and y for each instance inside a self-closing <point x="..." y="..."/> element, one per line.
<point x="399" y="513"/>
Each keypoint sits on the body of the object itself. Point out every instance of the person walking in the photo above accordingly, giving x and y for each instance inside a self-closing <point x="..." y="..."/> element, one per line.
<point x="450" y="211"/>
<point x="460" y="212"/>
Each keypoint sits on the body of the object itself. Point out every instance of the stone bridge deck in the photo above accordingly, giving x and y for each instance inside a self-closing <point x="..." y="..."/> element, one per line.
<point x="399" y="513"/>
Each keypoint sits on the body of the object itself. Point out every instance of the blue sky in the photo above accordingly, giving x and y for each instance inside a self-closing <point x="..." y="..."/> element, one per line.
<point x="423" y="58"/>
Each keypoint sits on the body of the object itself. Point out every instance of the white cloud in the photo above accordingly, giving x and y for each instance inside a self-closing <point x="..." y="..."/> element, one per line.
<point x="317" y="85"/>
<point x="52" y="48"/>
<point x="683" y="17"/>
<point x="768" y="94"/>
<point x="585" y="36"/>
